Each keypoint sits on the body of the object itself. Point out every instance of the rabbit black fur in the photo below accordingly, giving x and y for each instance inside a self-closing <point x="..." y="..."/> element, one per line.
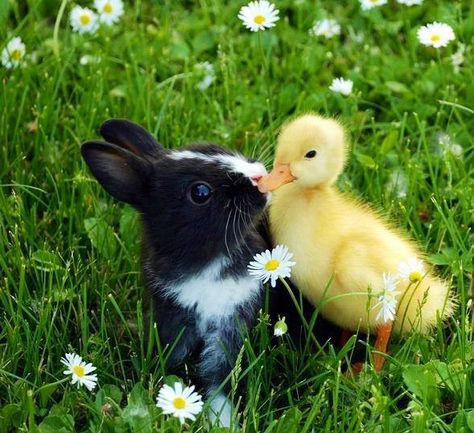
<point x="199" y="209"/>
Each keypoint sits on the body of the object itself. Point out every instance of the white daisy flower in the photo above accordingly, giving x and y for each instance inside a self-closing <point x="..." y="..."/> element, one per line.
<point x="358" y="37"/>
<point x="387" y="300"/>
<point x="270" y="265"/>
<point x="109" y="10"/>
<point x="340" y="85"/>
<point x="83" y="20"/>
<point x="411" y="271"/>
<point x="206" y="71"/>
<point x="457" y="59"/>
<point x="180" y="402"/>
<point x="369" y="4"/>
<point x="327" y="28"/>
<point x="445" y="145"/>
<point x="398" y="183"/>
<point x="13" y="53"/>
<point x="410" y="2"/>
<point x="280" y="328"/>
<point x="87" y="59"/>
<point x="80" y="371"/>
<point x="436" y="35"/>
<point x="259" y="15"/>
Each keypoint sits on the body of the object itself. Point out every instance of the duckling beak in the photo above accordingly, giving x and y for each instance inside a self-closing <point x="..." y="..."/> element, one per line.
<point x="280" y="175"/>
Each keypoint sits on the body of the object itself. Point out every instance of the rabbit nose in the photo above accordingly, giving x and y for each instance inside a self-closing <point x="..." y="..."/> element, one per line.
<point x="255" y="179"/>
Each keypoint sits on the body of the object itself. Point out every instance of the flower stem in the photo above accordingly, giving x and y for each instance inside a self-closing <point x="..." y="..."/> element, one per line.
<point x="266" y="75"/>
<point x="62" y="7"/>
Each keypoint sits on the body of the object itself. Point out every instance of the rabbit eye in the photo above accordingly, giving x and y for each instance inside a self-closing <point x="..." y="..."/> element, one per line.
<point x="310" y="154"/>
<point x="200" y="193"/>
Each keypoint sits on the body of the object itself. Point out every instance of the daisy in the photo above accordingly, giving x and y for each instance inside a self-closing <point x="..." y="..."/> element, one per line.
<point x="13" y="53"/>
<point x="80" y="371"/>
<point x="109" y="10"/>
<point x="369" y="4"/>
<point x="436" y="35"/>
<point x="206" y="70"/>
<point x="87" y="59"/>
<point x="83" y="20"/>
<point x="410" y="2"/>
<point x="270" y="265"/>
<point x="387" y="300"/>
<point x="259" y="15"/>
<point x="412" y="270"/>
<point x="445" y="145"/>
<point x="327" y="28"/>
<point x="179" y="402"/>
<point x="457" y="59"/>
<point x="398" y="183"/>
<point x="280" y="328"/>
<point x="340" y="85"/>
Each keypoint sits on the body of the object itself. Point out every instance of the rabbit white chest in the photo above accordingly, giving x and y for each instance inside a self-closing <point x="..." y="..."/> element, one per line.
<point x="214" y="297"/>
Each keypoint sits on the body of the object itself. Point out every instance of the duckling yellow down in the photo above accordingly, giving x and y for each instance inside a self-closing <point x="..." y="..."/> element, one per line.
<point x="343" y="248"/>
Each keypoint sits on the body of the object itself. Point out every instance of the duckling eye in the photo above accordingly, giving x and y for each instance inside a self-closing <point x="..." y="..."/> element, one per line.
<point x="310" y="154"/>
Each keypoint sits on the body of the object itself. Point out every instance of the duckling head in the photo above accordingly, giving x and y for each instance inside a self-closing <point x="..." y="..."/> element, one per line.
<point x="311" y="151"/>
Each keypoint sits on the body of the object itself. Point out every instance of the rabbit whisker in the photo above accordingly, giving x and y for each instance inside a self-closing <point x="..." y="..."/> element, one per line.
<point x="227" y="230"/>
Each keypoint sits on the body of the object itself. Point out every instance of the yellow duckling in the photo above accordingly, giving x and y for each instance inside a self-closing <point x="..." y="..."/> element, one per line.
<point x="346" y="255"/>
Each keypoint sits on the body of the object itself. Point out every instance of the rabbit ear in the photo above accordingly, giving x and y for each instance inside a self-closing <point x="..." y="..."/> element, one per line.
<point x="121" y="173"/>
<point x="130" y="136"/>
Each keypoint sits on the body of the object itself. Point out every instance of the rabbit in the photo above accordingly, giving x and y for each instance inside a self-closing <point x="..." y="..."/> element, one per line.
<point x="199" y="209"/>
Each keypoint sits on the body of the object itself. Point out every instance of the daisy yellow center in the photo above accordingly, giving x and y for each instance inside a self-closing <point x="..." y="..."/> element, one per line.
<point x="414" y="277"/>
<point x="435" y="38"/>
<point x="179" y="403"/>
<point x="272" y="265"/>
<point x="78" y="370"/>
<point x="108" y="8"/>
<point x="85" y="19"/>
<point x="15" y="55"/>
<point x="374" y="1"/>
<point x="259" y="19"/>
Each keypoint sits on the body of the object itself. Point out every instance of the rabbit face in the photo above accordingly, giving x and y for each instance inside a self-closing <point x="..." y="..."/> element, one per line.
<point x="197" y="204"/>
<point x="207" y="195"/>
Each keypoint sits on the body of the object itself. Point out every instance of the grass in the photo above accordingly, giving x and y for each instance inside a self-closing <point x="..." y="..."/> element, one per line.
<point x="69" y="272"/>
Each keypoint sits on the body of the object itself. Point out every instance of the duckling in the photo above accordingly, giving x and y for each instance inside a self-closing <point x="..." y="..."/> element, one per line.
<point x="345" y="252"/>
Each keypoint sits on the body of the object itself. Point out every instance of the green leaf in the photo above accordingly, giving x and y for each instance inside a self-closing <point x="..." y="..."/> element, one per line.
<point x="180" y="50"/>
<point x="397" y="87"/>
<point x="446" y="257"/>
<point x="101" y="236"/>
<point x="4" y="9"/>
<point x="171" y="380"/>
<point x="389" y="142"/>
<point x="10" y="416"/>
<point x="137" y="414"/>
<point x="46" y="261"/>
<point x="421" y="381"/>
<point x="290" y="421"/>
<point x="46" y="392"/>
<point x="470" y="419"/>
<point x="203" y="41"/>
<point x="129" y="228"/>
<point x="366" y="160"/>
<point x="439" y="259"/>
<point x="449" y="375"/>
<point x="58" y="421"/>
<point x="118" y="92"/>
<point x="106" y="394"/>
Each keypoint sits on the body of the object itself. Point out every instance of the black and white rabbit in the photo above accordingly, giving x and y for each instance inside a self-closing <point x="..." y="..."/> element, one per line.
<point x="199" y="209"/>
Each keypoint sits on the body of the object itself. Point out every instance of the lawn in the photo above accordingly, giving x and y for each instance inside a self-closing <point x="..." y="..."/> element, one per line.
<point x="190" y="72"/>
